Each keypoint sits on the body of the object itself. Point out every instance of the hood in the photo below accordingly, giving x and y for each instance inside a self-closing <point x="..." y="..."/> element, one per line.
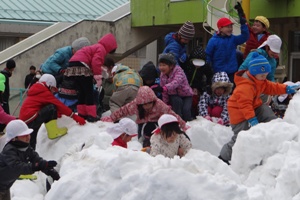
<point x="169" y="38"/>
<point x="148" y="72"/>
<point x="122" y="68"/>
<point x="221" y="79"/>
<point x="39" y="87"/>
<point x="145" y="95"/>
<point x="109" y="42"/>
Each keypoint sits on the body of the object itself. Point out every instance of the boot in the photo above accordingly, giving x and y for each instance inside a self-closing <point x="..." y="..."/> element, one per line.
<point x="82" y="111"/>
<point x="225" y="161"/>
<point x="91" y="113"/>
<point x="53" y="131"/>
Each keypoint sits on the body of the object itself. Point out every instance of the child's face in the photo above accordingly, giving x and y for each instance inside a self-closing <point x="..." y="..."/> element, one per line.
<point x="148" y="106"/>
<point x="126" y="138"/>
<point x="271" y="54"/>
<point x="184" y="41"/>
<point x="261" y="77"/>
<point x="172" y="138"/>
<point x="219" y="91"/>
<point x="226" y="30"/>
<point x="165" y="69"/>
<point x="24" y="138"/>
<point x="258" y="27"/>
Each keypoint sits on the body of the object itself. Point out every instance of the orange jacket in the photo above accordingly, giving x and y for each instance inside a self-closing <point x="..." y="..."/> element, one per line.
<point x="246" y="96"/>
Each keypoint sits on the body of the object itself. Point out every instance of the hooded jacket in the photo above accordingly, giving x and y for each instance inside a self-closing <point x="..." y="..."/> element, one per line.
<point x="126" y="76"/>
<point x="173" y="46"/>
<point x="148" y="72"/>
<point x="39" y="95"/>
<point x="146" y="95"/>
<point x="246" y="96"/>
<point x="93" y="56"/>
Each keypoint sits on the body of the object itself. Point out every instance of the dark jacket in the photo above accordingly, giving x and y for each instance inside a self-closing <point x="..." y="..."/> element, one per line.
<point x="14" y="161"/>
<point x="5" y="95"/>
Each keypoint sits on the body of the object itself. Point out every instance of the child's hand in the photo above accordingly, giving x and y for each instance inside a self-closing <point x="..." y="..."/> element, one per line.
<point x="220" y="121"/>
<point x="208" y="118"/>
<point x="180" y="152"/>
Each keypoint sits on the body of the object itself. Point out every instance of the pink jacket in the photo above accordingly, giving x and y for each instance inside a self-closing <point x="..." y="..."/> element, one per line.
<point x="4" y="117"/>
<point x="93" y="56"/>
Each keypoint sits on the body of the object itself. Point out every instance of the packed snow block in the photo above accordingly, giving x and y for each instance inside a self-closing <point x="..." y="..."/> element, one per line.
<point x="208" y="136"/>
<point x="253" y="147"/>
<point x="292" y="113"/>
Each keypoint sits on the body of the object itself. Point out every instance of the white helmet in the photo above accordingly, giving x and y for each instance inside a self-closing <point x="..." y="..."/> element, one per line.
<point x="49" y="79"/>
<point x="16" y="128"/>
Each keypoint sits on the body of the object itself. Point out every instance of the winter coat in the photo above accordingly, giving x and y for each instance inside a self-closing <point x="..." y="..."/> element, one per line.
<point x="173" y="46"/>
<point x="29" y="80"/>
<point x="93" y="56"/>
<point x="6" y="93"/>
<point x="126" y="76"/>
<point x="146" y="95"/>
<point x="176" y="84"/>
<point x="253" y="42"/>
<point x="246" y="96"/>
<point x="4" y="117"/>
<point x="272" y="62"/>
<point x="38" y="96"/>
<point x="119" y="142"/>
<point x="148" y="72"/>
<point x="159" y="146"/>
<point x="221" y="51"/>
<point x="15" y="161"/>
<point x="59" y="60"/>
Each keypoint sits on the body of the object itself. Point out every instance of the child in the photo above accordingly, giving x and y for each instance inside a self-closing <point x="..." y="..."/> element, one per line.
<point x="215" y="105"/>
<point x="147" y="108"/>
<point x="169" y="140"/>
<point x="41" y="106"/>
<point x="150" y="76"/>
<point x="122" y="132"/>
<point x="258" y="34"/>
<point x="221" y="48"/>
<point x="245" y="108"/>
<point x="19" y="158"/>
<point x="176" y="42"/>
<point x="174" y="86"/>
<point x="85" y="67"/>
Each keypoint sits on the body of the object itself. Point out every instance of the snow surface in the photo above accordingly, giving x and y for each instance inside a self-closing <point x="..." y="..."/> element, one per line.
<point x="265" y="165"/>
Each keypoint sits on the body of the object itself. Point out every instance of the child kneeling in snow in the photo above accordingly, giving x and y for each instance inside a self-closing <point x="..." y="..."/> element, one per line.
<point x="169" y="140"/>
<point x="245" y="107"/>
<point x="215" y="105"/>
<point x="18" y="157"/>
<point x="122" y="132"/>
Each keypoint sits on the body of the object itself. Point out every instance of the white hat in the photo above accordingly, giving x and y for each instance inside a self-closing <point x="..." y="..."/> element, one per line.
<point x="49" y="79"/>
<point x="16" y="128"/>
<point x="274" y="42"/>
<point x="125" y="125"/>
<point x="80" y="43"/>
<point x="114" y="69"/>
<point x="165" y="119"/>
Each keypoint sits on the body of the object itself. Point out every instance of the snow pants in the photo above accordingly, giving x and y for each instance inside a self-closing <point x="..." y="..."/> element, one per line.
<point x="182" y="106"/>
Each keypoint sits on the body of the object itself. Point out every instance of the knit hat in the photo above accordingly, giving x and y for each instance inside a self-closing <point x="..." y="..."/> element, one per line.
<point x="164" y="119"/>
<point x="221" y="79"/>
<point x="263" y="20"/>
<point x="10" y="64"/>
<point x="223" y="22"/>
<point x="125" y="125"/>
<point x="16" y="128"/>
<point x="2" y="82"/>
<point x="167" y="58"/>
<point x="79" y="43"/>
<point x="274" y="42"/>
<point x="187" y="30"/>
<point x="259" y="64"/>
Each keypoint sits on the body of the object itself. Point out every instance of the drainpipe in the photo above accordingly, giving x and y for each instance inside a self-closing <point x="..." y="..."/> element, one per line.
<point x="246" y="8"/>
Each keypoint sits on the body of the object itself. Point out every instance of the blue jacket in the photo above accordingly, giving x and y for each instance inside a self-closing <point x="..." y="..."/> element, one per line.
<point x="221" y="51"/>
<point x="59" y="60"/>
<point x="272" y="61"/>
<point x="173" y="46"/>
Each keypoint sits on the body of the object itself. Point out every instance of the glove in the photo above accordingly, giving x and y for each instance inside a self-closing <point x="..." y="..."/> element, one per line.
<point x="98" y="79"/>
<point x="253" y="121"/>
<point x="220" y="121"/>
<point x="183" y="58"/>
<point x="291" y="89"/>
<point x="106" y="119"/>
<point x="53" y="173"/>
<point x="241" y="13"/>
<point x="43" y="165"/>
<point x="59" y="115"/>
<point x="78" y="119"/>
<point x="208" y="118"/>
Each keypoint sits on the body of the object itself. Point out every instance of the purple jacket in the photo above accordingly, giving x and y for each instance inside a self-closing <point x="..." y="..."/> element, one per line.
<point x="176" y="83"/>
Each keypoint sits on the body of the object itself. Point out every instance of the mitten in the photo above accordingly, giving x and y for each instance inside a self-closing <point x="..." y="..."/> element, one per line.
<point x="106" y="119"/>
<point x="78" y="119"/>
<point x="208" y="118"/>
<point x="241" y="13"/>
<point x="253" y="121"/>
<point x="51" y="164"/>
<point x="291" y="89"/>
<point x="220" y="121"/>
<point x="53" y="173"/>
<point x="43" y="165"/>
<point x="98" y="79"/>
<point x="183" y="58"/>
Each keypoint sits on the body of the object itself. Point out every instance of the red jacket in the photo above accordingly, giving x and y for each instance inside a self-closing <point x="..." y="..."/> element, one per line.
<point x="39" y="95"/>
<point x="246" y="96"/>
<point x="94" y="55"/>
<point x="119" y="142"/>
